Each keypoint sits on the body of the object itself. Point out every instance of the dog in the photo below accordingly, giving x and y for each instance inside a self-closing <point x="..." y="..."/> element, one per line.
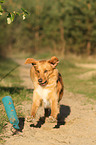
<point x="48" y="86"/>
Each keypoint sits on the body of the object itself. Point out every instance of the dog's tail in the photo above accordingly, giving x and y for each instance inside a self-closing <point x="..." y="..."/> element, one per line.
<point x="60" y="87"/>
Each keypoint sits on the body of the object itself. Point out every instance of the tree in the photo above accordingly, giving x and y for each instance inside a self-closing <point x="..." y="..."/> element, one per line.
<point x="62" y="26"/>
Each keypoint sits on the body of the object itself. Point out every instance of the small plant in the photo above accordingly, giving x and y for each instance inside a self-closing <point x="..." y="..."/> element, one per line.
<point x="11" y="15"/>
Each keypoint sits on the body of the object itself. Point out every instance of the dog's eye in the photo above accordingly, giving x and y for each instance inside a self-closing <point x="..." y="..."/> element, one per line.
<point x="45" y="71"/>
<point x="37" y="71"/>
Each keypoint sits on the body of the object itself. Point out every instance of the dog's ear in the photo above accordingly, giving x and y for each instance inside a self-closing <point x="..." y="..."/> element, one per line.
<point x="53" y="61"/>
<point x="30" y="60"/>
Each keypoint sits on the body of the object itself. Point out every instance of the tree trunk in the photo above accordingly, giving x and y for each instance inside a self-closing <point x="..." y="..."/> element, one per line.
<point x="62" y="38"/>
<point x="88" y="48"/>
<point x="36" y="40"/>
<point x="55" y="47"/>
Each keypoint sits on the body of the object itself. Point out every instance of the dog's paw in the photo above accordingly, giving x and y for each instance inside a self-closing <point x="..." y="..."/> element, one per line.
<point x="51" y="119"/>
<point x="29" y="118"/>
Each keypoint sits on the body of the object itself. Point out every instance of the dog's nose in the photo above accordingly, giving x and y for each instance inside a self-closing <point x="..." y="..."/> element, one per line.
<point x="40" y="80"/>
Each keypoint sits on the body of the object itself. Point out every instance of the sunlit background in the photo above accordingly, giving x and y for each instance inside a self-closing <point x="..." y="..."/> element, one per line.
<point x="60" y="26"/>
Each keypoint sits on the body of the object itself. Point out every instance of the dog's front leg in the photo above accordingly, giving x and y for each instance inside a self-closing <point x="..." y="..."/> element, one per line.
<point x="36" y="103"/>
<point x="34" y="109"/>
<point x="54" y="110"/>
<point x="35" y="106"/>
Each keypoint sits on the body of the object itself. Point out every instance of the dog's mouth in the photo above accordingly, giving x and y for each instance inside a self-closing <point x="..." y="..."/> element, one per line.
<point x="43" y="83"/>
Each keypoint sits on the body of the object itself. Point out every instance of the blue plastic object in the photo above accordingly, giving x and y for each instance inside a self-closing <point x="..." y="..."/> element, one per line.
<point x="11" y="112"/>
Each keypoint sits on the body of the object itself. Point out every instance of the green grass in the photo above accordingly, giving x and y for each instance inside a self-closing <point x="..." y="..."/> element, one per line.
<point x="10" y="85"/>
<point x="8" y="72"/>
<point x="72" y="81"/>
<point x="18" y="96"/>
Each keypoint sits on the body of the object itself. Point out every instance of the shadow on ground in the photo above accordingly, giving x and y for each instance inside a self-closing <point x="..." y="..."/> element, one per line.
<point x="21" y="125"/>
<point x="12" y="90"/>
<point x="64" y="112"/>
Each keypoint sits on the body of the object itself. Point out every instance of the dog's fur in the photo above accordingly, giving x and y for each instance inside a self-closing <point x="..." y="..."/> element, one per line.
<point x="48" y="85"/>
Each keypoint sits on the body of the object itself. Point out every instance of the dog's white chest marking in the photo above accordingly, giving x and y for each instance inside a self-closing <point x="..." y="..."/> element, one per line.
<point x="43" y="93"/>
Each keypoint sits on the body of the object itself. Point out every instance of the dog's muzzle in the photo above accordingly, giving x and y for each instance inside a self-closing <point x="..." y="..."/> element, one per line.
<point x="41" y="82"/>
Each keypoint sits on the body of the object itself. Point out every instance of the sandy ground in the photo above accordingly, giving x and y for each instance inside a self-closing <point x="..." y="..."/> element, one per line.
<point x="88" y="75"/>
<point x="76" y="124"/>
<point x="92" y="66"/>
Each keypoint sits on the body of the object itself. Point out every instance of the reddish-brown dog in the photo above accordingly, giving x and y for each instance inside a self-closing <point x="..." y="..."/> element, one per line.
<point x="48" y="85"/>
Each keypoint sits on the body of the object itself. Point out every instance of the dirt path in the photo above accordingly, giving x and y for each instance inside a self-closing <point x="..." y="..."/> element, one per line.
<point x="90" y="66"/>
<point x="77" y="124"/>
<point x="24" y="73"/>
<point x="88" y="75"/>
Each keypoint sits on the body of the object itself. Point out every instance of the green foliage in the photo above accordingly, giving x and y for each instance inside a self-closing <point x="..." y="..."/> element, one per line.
<point x="11" y="15"/>
<point x="2" y="1"/>
<point x="59" y="25"/>
<point x="10" y="18"/>
<point x="1" y="10"/>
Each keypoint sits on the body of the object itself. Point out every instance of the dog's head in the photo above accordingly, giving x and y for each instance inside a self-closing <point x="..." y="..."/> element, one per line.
<point x="43" y="68"/>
